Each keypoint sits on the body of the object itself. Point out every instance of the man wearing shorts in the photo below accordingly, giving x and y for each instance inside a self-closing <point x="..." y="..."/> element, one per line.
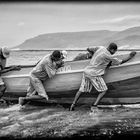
<point x="45" y="69"/>
<point x="92" y="75"/>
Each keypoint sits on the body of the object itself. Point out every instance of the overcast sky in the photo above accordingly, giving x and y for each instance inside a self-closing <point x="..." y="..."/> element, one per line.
<point x="21" y="21"/>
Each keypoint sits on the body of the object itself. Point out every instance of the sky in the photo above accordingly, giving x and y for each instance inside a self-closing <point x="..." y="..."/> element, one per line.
<point x="22" y="21"/>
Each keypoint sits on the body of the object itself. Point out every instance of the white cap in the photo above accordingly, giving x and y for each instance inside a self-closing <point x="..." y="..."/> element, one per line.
<point x="64" y="53"/>
<point x="5" y="52"/>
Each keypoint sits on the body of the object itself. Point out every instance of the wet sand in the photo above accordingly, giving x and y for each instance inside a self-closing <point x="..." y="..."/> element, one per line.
<point x="55" y="121"/>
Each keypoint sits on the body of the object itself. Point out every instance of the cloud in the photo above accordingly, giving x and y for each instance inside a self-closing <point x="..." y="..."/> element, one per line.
<point x="21" y="24"/>
<point x="130" y="19"/>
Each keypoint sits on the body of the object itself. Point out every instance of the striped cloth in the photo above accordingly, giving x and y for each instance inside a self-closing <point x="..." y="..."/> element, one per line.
<point x="96" y="81"/>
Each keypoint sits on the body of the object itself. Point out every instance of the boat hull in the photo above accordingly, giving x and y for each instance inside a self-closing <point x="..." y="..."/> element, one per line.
<point x="120" y="92"/>
<point x="123" y="84"/>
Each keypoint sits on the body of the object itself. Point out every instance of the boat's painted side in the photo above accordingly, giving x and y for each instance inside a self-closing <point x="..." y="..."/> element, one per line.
<point x="120" y="92"/>
<point x="123" y="83"/>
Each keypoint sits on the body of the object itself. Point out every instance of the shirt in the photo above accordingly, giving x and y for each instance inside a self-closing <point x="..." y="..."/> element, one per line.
<point x="99" y="62"/>
<point x="81" y="56"/>
<point x="84" y="56"/>
<point x="45" y="68"/>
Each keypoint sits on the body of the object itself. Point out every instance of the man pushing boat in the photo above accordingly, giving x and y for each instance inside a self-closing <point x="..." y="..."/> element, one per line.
<point x="45" y="69"/>
<point x="84" y="56"/>
<point x="4" y="54"/>
<point x="93" y="73"/>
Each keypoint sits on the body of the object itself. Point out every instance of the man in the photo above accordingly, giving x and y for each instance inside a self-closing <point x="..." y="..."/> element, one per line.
<point x="45" y="69"/>
<point x="93" y="73"/>
<point x="65" y="54"/>
<point x="4" y="54"/>
<point x="84" y="56"/>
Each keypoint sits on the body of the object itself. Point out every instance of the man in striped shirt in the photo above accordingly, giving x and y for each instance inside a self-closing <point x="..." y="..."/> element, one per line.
<point x="93" y="73"/>
<point x="45" y="69"/>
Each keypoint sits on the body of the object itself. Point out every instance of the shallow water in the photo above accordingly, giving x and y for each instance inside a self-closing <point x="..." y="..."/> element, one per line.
<point x="55" y="121"/>
<point x="31" y="57"/>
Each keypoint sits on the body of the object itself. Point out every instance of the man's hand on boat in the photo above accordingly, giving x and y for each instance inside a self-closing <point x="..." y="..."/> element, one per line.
<point x="132" y="54"/>
<point x="60" y="64"/>
<point x="18" y="67"/>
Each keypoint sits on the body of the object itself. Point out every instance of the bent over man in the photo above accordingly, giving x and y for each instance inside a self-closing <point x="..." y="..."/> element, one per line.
<point x="45" y="69"/>
<point x="93" y="73"/>
<point x="84" y="56"/>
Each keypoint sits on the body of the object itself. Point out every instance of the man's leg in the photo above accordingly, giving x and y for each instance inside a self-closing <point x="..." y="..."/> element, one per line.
<point x="100" y="85"/>
<point x="100" y="96"/>
<point x="94" y="107"/>
<point x="30" y="92"/>
<point x="24" y="100"/>
<point x="33" y="97"/>
<point x="77" y="96"/>
<point x="80" y="91"/>
<point x="35" y="86"/>
<point x="39" y="88"/>
<point x="85" y="86"/>
<point x="2" y="91"/>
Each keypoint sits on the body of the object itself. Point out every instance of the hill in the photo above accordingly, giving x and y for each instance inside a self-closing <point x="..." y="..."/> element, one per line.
<point x="81" y="40"/>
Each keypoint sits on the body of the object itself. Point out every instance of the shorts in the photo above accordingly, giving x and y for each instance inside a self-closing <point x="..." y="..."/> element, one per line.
<point x="96" y="81"/>
<point x="36" y="85"/>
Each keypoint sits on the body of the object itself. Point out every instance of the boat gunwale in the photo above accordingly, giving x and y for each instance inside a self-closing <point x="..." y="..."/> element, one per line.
<point x="74" y="71"/>
<point x="70" y="61"/>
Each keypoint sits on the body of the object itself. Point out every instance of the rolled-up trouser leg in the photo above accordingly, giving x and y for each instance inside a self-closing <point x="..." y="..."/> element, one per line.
<point x="37" y="85"/>
<point x="31" y="90"/>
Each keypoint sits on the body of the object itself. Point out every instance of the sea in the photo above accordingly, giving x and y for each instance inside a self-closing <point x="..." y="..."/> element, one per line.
<point x="54" y="121"/>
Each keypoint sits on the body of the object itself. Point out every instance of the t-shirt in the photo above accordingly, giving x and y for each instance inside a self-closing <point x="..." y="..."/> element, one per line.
<point x="84" y="56"/>
<point x="81" y="56"/>
<point x="99" y="62"/>
<point x="45" y="68"/>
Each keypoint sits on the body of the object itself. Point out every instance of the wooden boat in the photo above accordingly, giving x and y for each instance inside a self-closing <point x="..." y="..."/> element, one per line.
<point x="123" y="83"/>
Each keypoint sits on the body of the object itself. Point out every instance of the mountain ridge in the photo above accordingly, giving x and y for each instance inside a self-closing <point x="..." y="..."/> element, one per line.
<point x="82" y="39"/>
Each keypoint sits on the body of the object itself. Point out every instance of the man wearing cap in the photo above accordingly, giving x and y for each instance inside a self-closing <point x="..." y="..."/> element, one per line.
<point x="4" y="54"/>
<point x="45" y="69"/>
<point x="84" y="56"/>
<point x="64" y="53"/>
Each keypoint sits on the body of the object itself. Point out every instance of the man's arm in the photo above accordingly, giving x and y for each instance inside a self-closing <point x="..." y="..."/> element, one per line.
<point x="59" y="64"/>
<point x="12" y="66"/>
<point x="131" y="55"/>
<point x="109" y="64"/>
<point x="92" y="49"/>
<point x="7" y="69"/>
<point x="38" y="62"/>
<point x="117" y="61"/>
